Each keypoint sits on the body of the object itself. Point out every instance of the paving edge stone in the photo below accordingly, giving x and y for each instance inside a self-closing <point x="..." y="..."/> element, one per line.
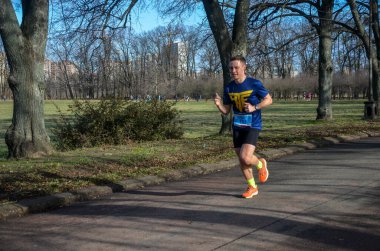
<point x="193" y="171"/>
<point x="92" y="192"/>
<point x="172" y="175"/>
<point x="271" y="154"/>
<point x="323" y="142"/>
<point x="348" y="138"/>
<point x="373" y="134"/>
<point x="48" y="202"/>
<point x="130" y="184"/>
<point x="332" y="140"/>
<point x="151" y="180"/>
<point x="12" y="210"/>
<point x="306" y="145"/>
<point x="41" y="204"/>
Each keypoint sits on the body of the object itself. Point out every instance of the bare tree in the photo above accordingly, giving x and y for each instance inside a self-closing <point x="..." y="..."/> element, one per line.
<point x="308" y="54"/>
<point x="210" y="60"/>
<point x="272" y="50"/>
<point x="349" y="53"/>
<point x="228" y="45"/>
<point x="25" y="49"/>
<point x="230" y="41"/>
<point x="373" y="53"/>
<point x="93" y="15"/>
<point x="99" y="20"/>
<point x="88" y="67"/>
<point x="63" y="50"/>
<point x="122" y="53"/>
<point x="320" y="16"/>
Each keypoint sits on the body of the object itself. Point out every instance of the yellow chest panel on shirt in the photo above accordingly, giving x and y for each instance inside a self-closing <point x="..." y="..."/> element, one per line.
<point x="240" y="98"/>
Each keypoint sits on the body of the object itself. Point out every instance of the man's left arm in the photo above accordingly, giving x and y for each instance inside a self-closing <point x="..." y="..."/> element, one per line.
<point x="266" y="101"/>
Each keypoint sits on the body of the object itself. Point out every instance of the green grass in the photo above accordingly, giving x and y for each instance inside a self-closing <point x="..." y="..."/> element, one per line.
<point x="284" y="123"/>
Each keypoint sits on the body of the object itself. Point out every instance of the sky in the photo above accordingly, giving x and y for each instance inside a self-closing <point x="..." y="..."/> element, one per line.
<point x="149" y="19"/>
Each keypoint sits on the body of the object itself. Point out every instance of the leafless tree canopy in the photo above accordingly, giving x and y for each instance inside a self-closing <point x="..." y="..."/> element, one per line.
<point x="93" y="15"/>
<point x="323" y="47"/>
<point x="98" y="60"/>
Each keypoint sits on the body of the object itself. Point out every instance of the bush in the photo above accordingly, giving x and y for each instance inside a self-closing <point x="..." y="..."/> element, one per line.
<point x="115" y="122"/>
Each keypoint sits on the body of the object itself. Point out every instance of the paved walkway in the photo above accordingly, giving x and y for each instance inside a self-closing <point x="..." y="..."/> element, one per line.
<point x="321" y="199"/>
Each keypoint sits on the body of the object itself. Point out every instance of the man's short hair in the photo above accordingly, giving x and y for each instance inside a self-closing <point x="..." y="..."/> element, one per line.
<point x="238" y="58"/>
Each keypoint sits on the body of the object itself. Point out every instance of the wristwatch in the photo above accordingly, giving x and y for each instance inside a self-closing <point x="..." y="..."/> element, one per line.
<point x="256" y="108"/>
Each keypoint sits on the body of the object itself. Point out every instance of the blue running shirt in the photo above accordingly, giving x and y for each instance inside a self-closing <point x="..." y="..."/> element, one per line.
<point x="251" y="91"/>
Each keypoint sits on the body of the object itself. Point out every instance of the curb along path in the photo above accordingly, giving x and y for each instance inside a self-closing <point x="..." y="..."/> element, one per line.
<point x="42" y="204"/>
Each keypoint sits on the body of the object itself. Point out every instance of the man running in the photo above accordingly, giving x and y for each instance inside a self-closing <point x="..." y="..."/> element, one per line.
<point x="247" y="96"/>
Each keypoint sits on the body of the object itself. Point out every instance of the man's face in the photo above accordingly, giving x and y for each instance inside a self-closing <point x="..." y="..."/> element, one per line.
<point x="237" y="70"/>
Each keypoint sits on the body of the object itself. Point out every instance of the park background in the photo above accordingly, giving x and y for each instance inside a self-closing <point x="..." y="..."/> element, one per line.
<point x="180" y="62"/>
<point x="178" y="57"/>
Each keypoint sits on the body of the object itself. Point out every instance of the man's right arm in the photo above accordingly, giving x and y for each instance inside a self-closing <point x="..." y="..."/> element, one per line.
<point x="225" y="109"/>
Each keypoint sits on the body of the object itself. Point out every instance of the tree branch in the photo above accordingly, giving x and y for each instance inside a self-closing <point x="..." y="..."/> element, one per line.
<point x="359" y="25"/>
<point x="288" y="6"/>
<point x="9" y="28"/>
<point x="218" y="25"/>
<point x="240" y="22"/>
<point x="35" y="15"/>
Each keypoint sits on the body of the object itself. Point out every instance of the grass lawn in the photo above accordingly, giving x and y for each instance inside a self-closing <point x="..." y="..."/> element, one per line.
<point x="284" y="123"/>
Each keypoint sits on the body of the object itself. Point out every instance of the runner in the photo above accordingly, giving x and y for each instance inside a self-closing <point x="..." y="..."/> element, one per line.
<point x="247" y="96"/>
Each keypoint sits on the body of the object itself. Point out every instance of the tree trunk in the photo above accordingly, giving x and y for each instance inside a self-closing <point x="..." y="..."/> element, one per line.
<point x="227" y="46"/>
<point x="375" y="83"/>
<point x="26" y="137"/>
<point x="376" y="61"/>
<point x="370" y="52"/>
<point x="324" y="110"/>
<point x="239" y="33"/>
<point x="25" y="50"/>
<point x="221" y="35"/>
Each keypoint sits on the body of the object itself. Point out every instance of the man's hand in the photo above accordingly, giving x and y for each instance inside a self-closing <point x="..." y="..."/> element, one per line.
<point x="225" y="109"/>
<point x="217" y="100"/>
<point x="248" y="107"/>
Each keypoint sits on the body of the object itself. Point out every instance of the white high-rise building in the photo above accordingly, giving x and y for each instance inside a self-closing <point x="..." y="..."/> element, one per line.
<point x="175" y="58"/>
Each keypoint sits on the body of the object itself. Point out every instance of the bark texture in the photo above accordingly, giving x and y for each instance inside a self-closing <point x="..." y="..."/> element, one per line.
<point x="324" y="29"/>
<point x="25" y="49"/>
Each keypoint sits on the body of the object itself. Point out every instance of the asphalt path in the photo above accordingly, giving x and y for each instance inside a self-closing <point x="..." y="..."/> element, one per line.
<point x="321" y="199"/>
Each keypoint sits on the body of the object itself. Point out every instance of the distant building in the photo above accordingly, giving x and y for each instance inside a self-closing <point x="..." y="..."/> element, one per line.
<point x="55" y="70"/>
<point x="174" y="57"/>
<point x="69" y="67"/>
<point x="50" y="70"/>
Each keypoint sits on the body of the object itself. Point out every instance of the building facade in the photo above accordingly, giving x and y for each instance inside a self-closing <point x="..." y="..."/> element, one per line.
<point x="174" y="58"/>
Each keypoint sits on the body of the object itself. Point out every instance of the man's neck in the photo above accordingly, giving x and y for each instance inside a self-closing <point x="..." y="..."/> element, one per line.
<point x="240" y="80"/>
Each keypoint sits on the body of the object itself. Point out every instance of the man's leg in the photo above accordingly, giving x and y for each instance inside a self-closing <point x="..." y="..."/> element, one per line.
<point x="247" y="159"/>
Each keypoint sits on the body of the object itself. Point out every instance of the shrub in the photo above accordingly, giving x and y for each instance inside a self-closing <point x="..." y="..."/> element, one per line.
<point x="115" y="122"/>
<point x="152" y="121"/>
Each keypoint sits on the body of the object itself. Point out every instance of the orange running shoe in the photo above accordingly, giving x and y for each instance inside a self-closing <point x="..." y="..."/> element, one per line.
<point x="263" y="172"/>
<point x="250" y="192"/>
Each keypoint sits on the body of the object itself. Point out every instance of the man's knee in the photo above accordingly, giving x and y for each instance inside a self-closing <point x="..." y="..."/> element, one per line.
<point x="245" y="160"/>
<point x="248" y="159"/>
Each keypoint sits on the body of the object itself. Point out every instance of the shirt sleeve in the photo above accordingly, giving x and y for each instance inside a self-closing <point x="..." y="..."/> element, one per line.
<point x="261" y="92"/>
<point x="226" y="98"/>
